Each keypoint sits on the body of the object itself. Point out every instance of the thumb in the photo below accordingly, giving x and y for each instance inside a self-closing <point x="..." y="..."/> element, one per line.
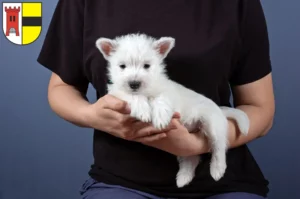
<point x="176" y="115"/>
<point x="116" y="104"/>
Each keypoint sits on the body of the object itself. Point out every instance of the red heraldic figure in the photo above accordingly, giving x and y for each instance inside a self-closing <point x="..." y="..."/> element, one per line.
<point x="12" y="20"/>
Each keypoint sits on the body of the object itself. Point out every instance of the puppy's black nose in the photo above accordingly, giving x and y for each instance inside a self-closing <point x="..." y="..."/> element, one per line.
<point x="134" y="85"/>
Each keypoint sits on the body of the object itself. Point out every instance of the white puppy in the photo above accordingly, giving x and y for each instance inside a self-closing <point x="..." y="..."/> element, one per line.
<point x="136" y="69"/>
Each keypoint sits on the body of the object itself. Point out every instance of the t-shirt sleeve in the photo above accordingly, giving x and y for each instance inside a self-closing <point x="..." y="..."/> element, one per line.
<point x="62" y="50"/>
<point x="253" y="61"/>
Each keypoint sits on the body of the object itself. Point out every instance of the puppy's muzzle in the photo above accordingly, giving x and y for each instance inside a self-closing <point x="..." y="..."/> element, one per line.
<point x="134" y="85"/>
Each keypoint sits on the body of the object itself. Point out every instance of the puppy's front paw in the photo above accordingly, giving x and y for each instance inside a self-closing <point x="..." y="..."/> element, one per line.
<point x="141" y="110"/>
<point x="161" y="116"/>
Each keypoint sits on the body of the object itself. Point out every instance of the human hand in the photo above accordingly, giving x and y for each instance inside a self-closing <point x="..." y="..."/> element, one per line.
<point x="179" y="141"/>
<point x="112" y="115"/>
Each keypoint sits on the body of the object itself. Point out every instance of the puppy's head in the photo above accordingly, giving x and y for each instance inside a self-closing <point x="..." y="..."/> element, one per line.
<point x="135" y="61"/>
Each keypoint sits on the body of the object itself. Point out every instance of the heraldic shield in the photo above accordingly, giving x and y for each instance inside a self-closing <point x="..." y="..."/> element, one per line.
<point x="22" y="22"/>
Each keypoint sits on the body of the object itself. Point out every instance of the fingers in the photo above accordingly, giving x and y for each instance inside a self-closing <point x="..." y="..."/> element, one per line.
<point x="114" y="115"/>
<point x="151" y="138"/>
<point x="176" y="115"/>
<point x="138" y="125"/>
<point x="124" y="126"/>
<point x="150" y="130"/>
<point x="132" y="128"/>
<point x="175" y="122"/>
<point x="113" y="103"/>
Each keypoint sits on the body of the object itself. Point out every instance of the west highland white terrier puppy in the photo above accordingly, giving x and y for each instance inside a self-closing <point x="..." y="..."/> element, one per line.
<point x="136" y="69"/>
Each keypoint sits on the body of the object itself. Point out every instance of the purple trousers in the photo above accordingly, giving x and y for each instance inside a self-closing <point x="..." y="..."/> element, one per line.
<point x="96" y="190"/>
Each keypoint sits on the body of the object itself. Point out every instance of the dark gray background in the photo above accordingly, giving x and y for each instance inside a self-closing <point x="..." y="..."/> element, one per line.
<point x="42" y="156"/>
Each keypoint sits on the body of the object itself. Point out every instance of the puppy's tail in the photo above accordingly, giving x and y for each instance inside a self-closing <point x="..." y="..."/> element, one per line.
<point x="239" y="116"/>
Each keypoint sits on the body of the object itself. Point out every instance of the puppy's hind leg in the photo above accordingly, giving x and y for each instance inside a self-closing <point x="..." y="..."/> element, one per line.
<point x="187" y="167"/>
<point x="214" y="126"/>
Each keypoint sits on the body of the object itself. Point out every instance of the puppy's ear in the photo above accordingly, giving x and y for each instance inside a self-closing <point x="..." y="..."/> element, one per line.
<point x="106" y="46"/>
<point x="164" y="45"/>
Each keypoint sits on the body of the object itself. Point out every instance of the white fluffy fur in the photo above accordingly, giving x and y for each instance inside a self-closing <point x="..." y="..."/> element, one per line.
<point x="158" y="97"/>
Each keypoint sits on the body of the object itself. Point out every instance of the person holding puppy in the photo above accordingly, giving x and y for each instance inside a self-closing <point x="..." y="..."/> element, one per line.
<point x="221" y="46"/>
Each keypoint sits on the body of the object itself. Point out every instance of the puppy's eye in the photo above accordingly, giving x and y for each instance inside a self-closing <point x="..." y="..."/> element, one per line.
<point x="146" y="66"/>
<point x="122" y="66"/>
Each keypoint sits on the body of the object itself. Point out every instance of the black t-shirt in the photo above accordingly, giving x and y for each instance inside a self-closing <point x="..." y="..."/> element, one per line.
<point x="219" y="43"/>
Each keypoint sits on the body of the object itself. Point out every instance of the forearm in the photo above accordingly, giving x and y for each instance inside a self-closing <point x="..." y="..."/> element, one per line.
<point x="69" y="104"/>
<point x="261" y="120"/>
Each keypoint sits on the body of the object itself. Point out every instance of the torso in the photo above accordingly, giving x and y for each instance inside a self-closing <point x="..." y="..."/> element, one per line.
<point x="207" y="38"/>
